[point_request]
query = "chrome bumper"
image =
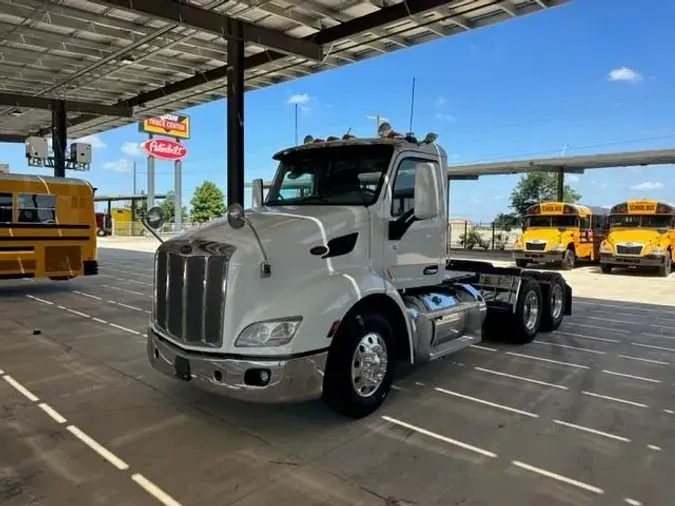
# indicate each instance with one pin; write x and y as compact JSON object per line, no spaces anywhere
{"x":640,"y":261}
{"x":290,"y":379}
{"x":538,"y":256}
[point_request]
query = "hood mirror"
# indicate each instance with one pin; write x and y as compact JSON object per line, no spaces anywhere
{"x":236,"y":216}
{"x":154,"y":219}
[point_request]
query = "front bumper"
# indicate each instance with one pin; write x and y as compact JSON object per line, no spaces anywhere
{"x":645,"y":261}
{"x":538,"y":256}
{"x":291,"y":379}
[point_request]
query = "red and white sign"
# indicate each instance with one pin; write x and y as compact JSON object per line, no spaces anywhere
{"x":166,"y":149}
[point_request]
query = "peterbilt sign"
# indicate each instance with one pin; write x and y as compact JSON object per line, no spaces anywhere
{"x":165,"y":149}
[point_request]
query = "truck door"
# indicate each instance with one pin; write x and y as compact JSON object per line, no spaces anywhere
{"x":414,"y":251}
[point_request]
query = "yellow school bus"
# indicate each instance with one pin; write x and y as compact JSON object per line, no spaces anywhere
{"x":642,"y":234}
{"x":47,"y":227}
{"x":559,"y":233}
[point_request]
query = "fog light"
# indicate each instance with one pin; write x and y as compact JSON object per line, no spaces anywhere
{"x":156,"y":353}
{"x":257,"y":377}
{"x":218,"y":376}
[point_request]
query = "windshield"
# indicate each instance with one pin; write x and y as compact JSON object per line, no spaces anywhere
{"x":568,"y":220}
{"x":641,"y":221}
{"x":336,"y":175}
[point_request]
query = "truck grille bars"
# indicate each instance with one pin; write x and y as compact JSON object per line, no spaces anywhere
{"x":190,"y":291}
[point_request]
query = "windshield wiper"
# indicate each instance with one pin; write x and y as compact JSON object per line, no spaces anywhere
{"x":311,"y":199}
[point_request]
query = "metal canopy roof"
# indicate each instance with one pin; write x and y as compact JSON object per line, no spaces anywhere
{"x":160,"y":56}
{"x":570,"y":164}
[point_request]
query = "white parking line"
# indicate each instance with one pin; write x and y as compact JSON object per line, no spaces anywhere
{"x":662,"y":348}
{"x":661,"y":336}
{"x":631,"y":376}
{"x":40,"y":300}
{"x":655,"y":448}
{"x":84,"y":294}
{"x":126,"y":279}
{"x":20,"y":388}
{"x":485,"y":348}
{"x":487,"y":403}
{"x":52,"y":412}
{"x":593,"y":338}
{"x":154,"y":490}
{"x":658,"y":362}
{"x":625,"y":322}
{"x":521,"y":355}
{"x":445,"y":439}
{"x":615,"y":399}
{"x":123,"y":290}
{"x":558,"y":477}
{"x":592,"y":431}
{"x":567,"y":346}
{"x":125,"y":329}
{"x":632,"y":502}
{"x":78,"y":313}
{"x":669,"y":411}
{"x":620,"y":331}
{"x":522,"y":378}
{"x":98,"y":448}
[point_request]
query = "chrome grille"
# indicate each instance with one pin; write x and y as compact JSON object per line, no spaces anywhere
{"x":190,"y":290}
{"x":535,"y":246}
{"x":622,"y":249}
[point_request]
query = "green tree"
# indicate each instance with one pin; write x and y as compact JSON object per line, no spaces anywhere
{"x":207,"y":202}
{"x":140,"y":208}
{"x":506,"y":221}
{"x":168,"y":206}
{"x":536,"y":187}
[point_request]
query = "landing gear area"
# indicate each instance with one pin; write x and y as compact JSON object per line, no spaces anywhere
{"x":500,"y":419}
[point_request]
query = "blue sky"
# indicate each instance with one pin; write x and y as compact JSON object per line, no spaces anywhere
{"x":595,"y":75}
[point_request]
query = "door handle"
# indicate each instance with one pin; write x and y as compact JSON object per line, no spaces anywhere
{"x":430,"y":270}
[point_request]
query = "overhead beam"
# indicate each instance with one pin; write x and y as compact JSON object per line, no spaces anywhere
{"x":47,"y":104}
{"x":219,"y":24}
{"x":16,"y":138}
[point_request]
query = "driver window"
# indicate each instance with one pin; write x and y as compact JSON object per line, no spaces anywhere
{"x":37,"y":208}
{"x":403,"y":190}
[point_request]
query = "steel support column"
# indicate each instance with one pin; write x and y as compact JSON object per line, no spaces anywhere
{"x":235,"y":116}
{"x":59,"y":137}
{"x":560,"y":193}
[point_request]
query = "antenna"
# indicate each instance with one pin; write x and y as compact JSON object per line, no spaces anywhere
{"x":412,"y":106}
{"x":296,"y":124}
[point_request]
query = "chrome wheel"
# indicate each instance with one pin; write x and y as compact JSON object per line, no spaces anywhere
{"x":557,"y":301}
{"x":531,"y":310}
{"x":369,"y":364}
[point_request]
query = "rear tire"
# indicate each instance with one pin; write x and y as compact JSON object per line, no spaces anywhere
{"x":360,"y":367}
{"x":568,"y":260}
{"x":100,"y":232}
{"x":527,"y":318}
{"x":553,"y":305}
{"x":606,"y":268}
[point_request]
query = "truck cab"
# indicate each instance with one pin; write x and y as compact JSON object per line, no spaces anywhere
{"x":320,"y":292}
{"x":641,"y":234}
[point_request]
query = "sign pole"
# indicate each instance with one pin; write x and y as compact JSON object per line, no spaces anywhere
{"x":151,"y":178}
{"x":178,"y":194}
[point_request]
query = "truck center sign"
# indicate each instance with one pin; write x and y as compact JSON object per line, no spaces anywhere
{"x":170,"y":125}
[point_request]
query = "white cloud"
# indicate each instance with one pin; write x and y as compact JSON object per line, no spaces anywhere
{"x":624,"y":74}
{"x":121,"y":165}
{"x":94,"y":140}
{"x":299,"y":98}
{"x":131,"y":148}
{"x":572,"y":178}
{"x":647,"y":186}
{"x":446,"y":117}
{"x":440,"y":101}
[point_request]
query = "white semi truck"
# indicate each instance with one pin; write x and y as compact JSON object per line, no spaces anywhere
{"x":319,"y":293}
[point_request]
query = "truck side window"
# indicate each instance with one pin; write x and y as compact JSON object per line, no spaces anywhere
{"x":6,"y":207}
{"x":37,"y":208}
{"x":403,"y":189}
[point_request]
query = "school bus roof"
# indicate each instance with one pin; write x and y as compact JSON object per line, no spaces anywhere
{"x":36,"y":183}
{"x":580,"y":208}
{"x":657,"y":206}
{"x":34,"y":178}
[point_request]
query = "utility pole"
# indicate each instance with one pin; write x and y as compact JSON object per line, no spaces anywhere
{"x":134,"y":186}
{"x":378,"y":120}
{"x":296,"y":124}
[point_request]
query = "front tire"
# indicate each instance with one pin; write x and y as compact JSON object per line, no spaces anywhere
{"x":526,"y":320}
{"x":360,"y":367}
{"x":667,"y":267}
{"x":568,"y":260}
{"x":606,"y":268}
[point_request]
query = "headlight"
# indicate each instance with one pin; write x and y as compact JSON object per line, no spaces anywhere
{"x":268,"y":333}
{"x":657,"y":250}
{"x":605,"y":248}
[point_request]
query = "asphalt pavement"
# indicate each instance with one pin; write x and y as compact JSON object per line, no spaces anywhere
{"x":582,"y":416}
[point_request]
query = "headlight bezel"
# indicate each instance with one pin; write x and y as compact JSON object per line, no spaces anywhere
{"x":251,"y":336}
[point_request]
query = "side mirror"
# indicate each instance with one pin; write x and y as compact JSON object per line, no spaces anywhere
{"x":426,"y":202}
{"x":257,"y":193}
{"x":155,"y":217}
{"x":235,"y":215}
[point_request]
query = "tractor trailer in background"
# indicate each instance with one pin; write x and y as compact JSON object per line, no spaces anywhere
{"x":321,"y":293}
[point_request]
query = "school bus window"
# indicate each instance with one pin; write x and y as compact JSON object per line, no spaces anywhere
{"x":551,"y":221}
{"x":584,"y":223}
{"x":653,"y":221}
{"x":36,"y":208}
{"x":5,"y":207}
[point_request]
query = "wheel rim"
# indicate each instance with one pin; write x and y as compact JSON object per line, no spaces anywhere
{"x":369,"y":364}
{"x":531,"y":310}
{"x":557,"y":300}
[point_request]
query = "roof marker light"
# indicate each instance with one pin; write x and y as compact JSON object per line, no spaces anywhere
{"x":308,"y":139}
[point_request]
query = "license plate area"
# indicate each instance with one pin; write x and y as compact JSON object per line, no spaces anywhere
{"x":181,"y":366}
